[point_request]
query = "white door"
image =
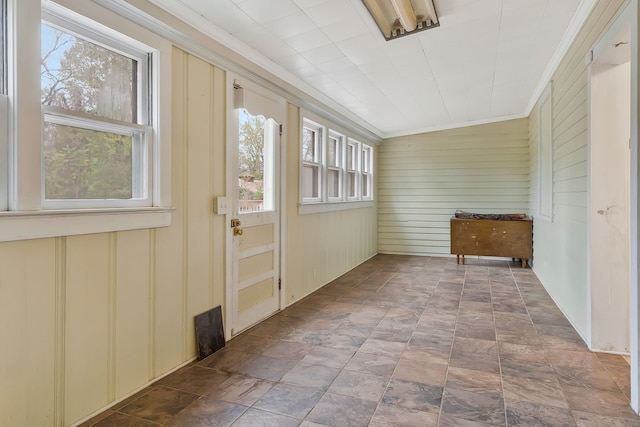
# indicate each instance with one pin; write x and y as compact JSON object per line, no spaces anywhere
{"x":254,"y":217}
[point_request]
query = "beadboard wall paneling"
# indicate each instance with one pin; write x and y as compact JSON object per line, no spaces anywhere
{"x":320,"y":247}
{"x":423,"y":179}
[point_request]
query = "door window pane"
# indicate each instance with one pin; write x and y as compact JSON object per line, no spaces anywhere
{"x":255,"y":162}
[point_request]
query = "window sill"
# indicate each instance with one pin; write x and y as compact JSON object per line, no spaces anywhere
{"x":312,"y":208}
{"x":24,"y":225}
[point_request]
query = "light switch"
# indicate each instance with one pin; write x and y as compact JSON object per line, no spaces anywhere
{"x":220,"y":205}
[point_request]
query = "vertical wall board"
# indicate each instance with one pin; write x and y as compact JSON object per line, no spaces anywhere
{"x":87,"y":325}
{"x":27,"y":312}
{"x":293,"y":222}
{"x":132,"y":327}
{"x":560,"y":247}
{"x":218,"y":186}
{"x":320,"y":246}
{"x":199,"y":197}
{"x":423,"y":179}
{"x":168,"y":328}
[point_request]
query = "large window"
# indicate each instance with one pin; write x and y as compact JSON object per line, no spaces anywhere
{"x":335,"y":168}
{"x":96,"y":131}
{"x":84,"y":144}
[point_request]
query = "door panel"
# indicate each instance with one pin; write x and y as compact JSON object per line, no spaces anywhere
{"x":255,"y":219}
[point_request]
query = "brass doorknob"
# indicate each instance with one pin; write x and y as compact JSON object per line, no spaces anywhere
{"x":237,"y":231}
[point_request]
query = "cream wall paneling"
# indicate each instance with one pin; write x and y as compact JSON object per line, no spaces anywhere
{"x":423,"y":179}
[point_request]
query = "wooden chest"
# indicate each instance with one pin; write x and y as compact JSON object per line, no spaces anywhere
{"x":486,"y":237}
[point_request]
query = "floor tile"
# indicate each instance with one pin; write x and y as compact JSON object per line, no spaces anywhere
{"x":397,"y":416}
{"x":412,"y":395}
{"x":534,"y":414}
{"x":208,"y":412}
{"x":258,"y":418}
{"x":316,"y":376}
{"x":361,"y":385}
{"x":267,"y":368}
{"x":372,"y":364}
{"x":534,"y":390}
{"x":194,"y":379}
{"x":117,"y":419}
{"x":160,"y":405}
{"x":241,"y":389}
{"x":486,"y":406}
{"x":338,"y":411}
{"x":419,"y":371}
{"x":291,"y":400}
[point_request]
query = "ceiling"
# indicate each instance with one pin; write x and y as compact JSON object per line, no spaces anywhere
{"x":487,"y":61}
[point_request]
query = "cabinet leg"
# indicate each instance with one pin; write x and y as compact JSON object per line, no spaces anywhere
{"x":462,"y":259}
{"x":524,"y":262}
{"x":457,"y":259}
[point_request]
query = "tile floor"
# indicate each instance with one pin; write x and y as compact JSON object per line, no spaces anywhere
{"x":400,"y":341}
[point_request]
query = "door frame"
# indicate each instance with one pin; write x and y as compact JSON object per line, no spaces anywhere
{"x":231,"y":138}
{"x":628,"y":15}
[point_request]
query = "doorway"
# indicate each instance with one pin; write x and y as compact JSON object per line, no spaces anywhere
{"x":613,"y":193}
{"x":253,"y":217}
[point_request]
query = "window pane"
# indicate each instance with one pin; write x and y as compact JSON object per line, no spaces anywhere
{"x":310,"y":181}
{"x":78,"y":75}
{"x":333,"y":183}
{"x":351,"y":184}
{"x":365,"y":160}
{"x":334,"y":152}
{"x":309,"y":147}
{"x":87,"y":164}
{"x":351,"y":157}
{"x":365,"y":185}
{"x":255,"y":162}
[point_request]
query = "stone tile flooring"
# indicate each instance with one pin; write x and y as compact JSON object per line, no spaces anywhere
{"x":400,"y":341}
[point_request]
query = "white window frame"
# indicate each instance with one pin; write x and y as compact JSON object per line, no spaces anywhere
{"x":366,"y":167}
{"x":319,"y":144}
{"x":141,"y":132}
{"x":353,"y":169}
{"x":545,"y":154}
{"x":340,"y":152}
{"x":25,"y":216}
{"x":324,"y":203}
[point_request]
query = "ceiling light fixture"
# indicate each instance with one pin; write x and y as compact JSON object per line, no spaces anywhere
{"x":397,"y":18}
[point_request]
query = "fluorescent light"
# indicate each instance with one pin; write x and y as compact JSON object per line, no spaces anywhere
{"x":397,"y":18}
{"x":405,"y":14}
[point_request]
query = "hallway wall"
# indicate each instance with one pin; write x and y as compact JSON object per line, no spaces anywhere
{"x":560,"y":246}
{"x":89,"y":319}
{"x":424,"y":178}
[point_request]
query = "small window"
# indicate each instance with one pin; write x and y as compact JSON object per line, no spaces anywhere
{"x":311,"y":161}
{"x":335,"y":153}
{"x":353,"y":150}
{"x":366,"y":172}
{"x":97,"y":137}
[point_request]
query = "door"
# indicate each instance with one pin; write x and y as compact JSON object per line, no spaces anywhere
{"x":254,"y":220}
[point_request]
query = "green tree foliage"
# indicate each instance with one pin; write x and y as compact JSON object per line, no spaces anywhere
{"x":80,"y":76}
{"x":252,"y":147}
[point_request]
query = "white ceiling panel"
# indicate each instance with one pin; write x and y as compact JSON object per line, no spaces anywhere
{"x":483,"y":63}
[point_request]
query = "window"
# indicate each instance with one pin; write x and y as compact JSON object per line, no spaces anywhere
{"x":311,"y":160}
{"x":366,"y":172}
{"x":96,"y":131}
{"x":545,"y":155}
{"x":336,"y":171}
{"x":353,"y":150}
{"x":99,"y":158}
{"x":335,"y":167}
